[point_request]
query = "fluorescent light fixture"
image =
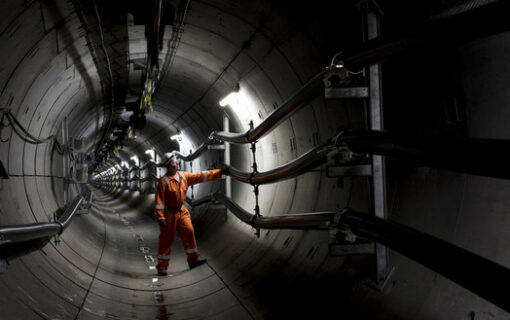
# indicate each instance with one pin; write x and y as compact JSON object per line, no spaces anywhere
{"x":243,"y":106}
{"x":124,"y":164}
{"x":135,"y":159}
{"x":177,"y":137}
{"x":230,"y":99}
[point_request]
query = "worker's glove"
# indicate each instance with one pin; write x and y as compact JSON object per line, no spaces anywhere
{"x":225,"y":170}
{"x":162,"y":223}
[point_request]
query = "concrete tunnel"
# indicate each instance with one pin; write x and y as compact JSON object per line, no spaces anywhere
{"x":81,"y":65}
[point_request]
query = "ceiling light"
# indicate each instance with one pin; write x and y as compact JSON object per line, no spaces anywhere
{"x":177,"y":137}
{"x":230,"y":99}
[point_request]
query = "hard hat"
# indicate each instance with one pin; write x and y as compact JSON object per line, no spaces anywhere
{"x":165,"y":159}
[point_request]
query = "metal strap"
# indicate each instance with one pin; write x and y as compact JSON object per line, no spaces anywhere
{"x":204,"y":173}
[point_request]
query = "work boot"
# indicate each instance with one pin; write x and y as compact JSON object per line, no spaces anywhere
{"x":200,"y":261}
{"x":162,"y":273}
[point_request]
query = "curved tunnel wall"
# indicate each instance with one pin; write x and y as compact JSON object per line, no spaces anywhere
{"x":95,"y":272}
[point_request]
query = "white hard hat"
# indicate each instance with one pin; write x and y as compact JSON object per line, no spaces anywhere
{"x":165,"y":159}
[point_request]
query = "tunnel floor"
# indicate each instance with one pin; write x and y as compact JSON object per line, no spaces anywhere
{"x":126,"y":286}
{"x":122,"y":278}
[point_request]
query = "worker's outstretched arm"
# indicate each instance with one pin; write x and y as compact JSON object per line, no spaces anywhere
{"x":202,"y":176}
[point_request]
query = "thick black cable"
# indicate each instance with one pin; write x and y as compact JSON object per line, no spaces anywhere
{"x":173,"y":45}
{"x":25,"y":135}
{"x":110,"y":74}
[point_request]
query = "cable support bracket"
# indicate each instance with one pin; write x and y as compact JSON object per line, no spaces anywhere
{"x":255,"y":186}
{"x":54,"y":219}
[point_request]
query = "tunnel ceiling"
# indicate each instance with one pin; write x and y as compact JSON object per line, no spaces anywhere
{"x":224,"y":43}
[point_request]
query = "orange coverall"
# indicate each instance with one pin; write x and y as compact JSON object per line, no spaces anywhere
{"x":170,"y":196}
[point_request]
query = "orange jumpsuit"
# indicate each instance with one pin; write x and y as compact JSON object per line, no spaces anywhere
{"x":170,"y":196}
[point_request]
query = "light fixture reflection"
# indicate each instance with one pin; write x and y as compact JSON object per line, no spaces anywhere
{"x":243,"y":106}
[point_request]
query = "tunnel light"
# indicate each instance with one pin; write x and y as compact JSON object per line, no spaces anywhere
{"x":243,"y":106}
{"x":231,"y":99}
{"x":124,"y":164}
{"x":151,"y":153}
{"x":135,"y":159}
{"x":176,"y":137}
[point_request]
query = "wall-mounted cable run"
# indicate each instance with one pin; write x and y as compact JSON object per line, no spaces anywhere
{"x":11,"y":235}
{"x":110,"y":75}
{"x":23,"y":133}
{"x":312,"y":89}
{"x":453,"y":262}
{"x":174,"y":42}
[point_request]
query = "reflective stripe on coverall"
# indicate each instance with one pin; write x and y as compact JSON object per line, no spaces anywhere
{"x":170,"y":196}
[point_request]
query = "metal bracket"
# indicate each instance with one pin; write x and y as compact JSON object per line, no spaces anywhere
{"x":82,"y":211}
{"x":216,"y":147}
{"x":57,"y":240}
{"x":383,"y":279}
{"x":346,"y":92}
{"x":53,"y":218}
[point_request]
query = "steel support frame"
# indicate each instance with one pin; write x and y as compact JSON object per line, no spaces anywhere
{"x":228,"y":179}
{"x":346,"y":93}
{"x":371,"y":18}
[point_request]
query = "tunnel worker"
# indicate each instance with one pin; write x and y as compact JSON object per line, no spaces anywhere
{"x":172,"y":215}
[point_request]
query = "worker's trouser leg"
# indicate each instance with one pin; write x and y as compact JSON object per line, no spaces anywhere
{"x":187,"y":234}
{"x":166,"y":239}
{"x":180,"y":221}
